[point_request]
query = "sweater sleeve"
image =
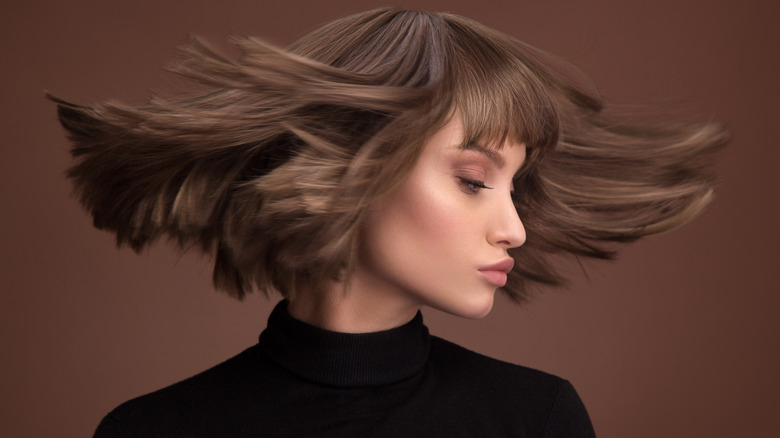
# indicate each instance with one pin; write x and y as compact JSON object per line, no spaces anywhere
{"x":569,"y":418}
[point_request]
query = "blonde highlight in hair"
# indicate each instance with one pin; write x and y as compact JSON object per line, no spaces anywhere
{"x":274,"y":166}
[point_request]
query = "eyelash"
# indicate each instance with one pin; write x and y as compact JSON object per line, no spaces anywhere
{"x":473,"y":186}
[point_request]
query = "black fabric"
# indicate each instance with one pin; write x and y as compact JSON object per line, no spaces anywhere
{"x":303,"y":381}
{"x":345,"y":359}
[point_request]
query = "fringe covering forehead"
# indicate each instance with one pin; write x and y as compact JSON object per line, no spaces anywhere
{"x":273,"y":167}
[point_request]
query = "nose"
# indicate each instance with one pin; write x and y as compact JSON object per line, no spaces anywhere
{"x":506,"y":228}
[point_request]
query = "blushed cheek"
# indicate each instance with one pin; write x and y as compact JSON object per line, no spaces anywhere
{"x":438,"y":221}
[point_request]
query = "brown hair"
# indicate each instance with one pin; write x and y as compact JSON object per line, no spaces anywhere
{"x":274,"y":166}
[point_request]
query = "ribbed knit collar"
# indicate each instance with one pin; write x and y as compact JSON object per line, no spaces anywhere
{"x":345,"y":359}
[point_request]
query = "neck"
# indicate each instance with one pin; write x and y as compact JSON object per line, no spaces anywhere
{"x":356,"y":308}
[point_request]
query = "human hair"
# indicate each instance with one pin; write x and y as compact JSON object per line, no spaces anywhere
{"x":273,"y":166}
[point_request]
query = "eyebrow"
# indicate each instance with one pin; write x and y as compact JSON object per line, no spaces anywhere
{"x":491,"y":155}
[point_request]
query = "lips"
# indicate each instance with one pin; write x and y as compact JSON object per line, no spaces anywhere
{"x":496,"y":274}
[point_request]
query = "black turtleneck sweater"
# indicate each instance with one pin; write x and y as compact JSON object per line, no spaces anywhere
{"x":303,"y":381}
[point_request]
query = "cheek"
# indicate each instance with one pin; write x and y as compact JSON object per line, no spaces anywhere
{"x":436,"y":220}
{"x":421,"y":224}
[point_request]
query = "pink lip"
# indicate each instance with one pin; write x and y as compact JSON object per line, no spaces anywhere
{"x":497,"y":272}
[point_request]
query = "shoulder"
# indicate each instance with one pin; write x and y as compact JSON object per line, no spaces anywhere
{"x":194,"y":403}
{"x":540,"y":403}
{"x":458,"y":362}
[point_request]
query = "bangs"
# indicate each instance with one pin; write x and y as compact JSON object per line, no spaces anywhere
{"x":499,"y":92}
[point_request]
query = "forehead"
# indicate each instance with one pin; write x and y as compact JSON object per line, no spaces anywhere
{"x":453,"y":139}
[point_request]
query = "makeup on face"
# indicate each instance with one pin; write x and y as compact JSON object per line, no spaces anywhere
{"x":441,"y":237}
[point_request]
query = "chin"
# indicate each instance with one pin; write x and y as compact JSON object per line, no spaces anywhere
{"x":477,"y":307}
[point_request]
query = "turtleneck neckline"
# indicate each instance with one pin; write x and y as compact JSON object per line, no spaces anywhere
{"x":345,"y":359}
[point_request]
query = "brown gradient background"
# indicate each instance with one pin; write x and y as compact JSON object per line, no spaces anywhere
{"x":678,"y":338}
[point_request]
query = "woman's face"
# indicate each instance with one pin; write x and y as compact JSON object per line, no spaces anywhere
{"x":441,"y":238}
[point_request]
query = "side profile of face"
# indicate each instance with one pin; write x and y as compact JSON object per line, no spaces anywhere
{"x":441,"y":237}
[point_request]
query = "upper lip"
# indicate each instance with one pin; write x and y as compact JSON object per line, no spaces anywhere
{"x":504,"y":266}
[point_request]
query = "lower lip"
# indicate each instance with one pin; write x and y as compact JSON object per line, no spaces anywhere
{"x":496,"y":278}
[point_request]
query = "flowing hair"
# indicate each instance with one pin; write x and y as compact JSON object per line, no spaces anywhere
{"x":273,"y":167}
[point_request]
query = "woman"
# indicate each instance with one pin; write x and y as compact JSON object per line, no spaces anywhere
{"x":388,"y":161}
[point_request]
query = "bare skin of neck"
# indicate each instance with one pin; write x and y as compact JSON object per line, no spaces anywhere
{"x":359,"y":308}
